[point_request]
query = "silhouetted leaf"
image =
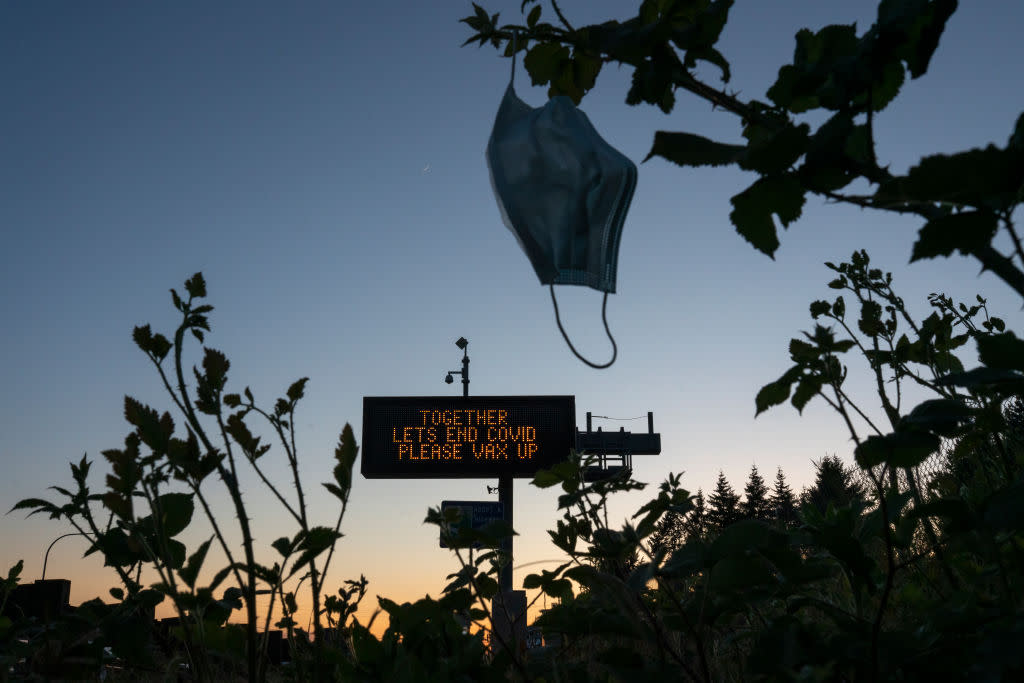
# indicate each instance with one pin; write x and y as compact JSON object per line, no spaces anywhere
{"x":806,"y":389}
{"x":1010,"y":380}
{"x":687,"y":149}
{"x":1004,"y":351}
{"x":987,"y":179}
{"x":190,"y":571}
{"x":196,"y":286}
{"x":156,"y":345}
{"x":155,"y":430}
{"x":176,"y":513}
{"x":901,"y":449}
{"x":297,"y":389}
{"x":533,"y":16}
{"x":37,"y":505}
{"x":965,"y":232}
{"x":312,"y":544}
{"x":776,"y":392}
{"x":345,"y":455}
{"x":283,"y":545}
{"x":544,"y":62}
{"x":772,"y":151}
{"x":753,"y":210}
{"x":919,"y":52}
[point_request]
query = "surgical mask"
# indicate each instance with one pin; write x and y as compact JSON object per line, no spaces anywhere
{"x":563,"y":192}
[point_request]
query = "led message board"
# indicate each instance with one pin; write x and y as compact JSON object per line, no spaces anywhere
{"x":453,"y":436}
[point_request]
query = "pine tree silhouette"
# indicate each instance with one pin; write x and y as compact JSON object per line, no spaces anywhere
{"x":755,"y":504}
{"x":835,"y":483}
{"x":782,"y":501}
{"x":723,"y":505}
{"x":696,"y":524}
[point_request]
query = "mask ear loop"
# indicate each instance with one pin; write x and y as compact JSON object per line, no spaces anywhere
{"x":515,"y":49}
{"x":604,"y":319}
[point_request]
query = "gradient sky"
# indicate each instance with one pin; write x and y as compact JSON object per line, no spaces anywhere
{"x":280,"y":149}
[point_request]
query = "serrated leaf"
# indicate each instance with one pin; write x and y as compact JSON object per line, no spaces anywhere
{"x":297,"y":390}
{"x":282,"y":545}
{"x":776,"y":392}
{"x":901,"y":449}
{"x":802,"y":352}
{"x":215,"y":368}
{"x":988,"y":178}
{"x":1010,"y":380}
{"x":687,"y":149}
{"x":1004,"y":351}
{"x":545,"y":479}
{"x":807,"y":389}
{"x":870,"y":322}
{"x":155,"y":430}
{"x":585,"y":69}
{"x":176,"y":512}
{"x":754,"y":208}
{"x":773,"y":151}
{"x":219,"y":577}
{"x":820,"y":308}
{"x":965,"y":232}
{"x":190,"y":571}
{"x":345,"y":455}
{"x":37,"y":505}
{"x":196,"y":286}
{"x":942,"y":416}
{"x":544,"y":62}
{"x":117,"y":548}
{"x":920,"y":53}
{"x":312,"y":544}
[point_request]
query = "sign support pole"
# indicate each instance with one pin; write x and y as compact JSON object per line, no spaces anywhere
{"x":505,"y":498}
{"x":504,"y":480}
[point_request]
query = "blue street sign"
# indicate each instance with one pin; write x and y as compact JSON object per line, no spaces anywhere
{"x":476,"y":514}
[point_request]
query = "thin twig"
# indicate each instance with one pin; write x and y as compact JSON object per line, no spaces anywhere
{"x":561,"y":17}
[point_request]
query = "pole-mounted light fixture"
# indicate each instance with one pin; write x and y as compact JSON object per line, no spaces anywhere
{"x":462,"y":343}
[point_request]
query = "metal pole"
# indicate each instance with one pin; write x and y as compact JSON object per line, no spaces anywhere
{"x":505,"y":498}
{"x":504,"y":495}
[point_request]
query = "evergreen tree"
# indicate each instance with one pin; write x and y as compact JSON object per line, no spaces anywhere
{"x":670,"y":533}
{"x":782,"y":501}
{"x":723,"y":505}
{"x":695,"y":527}
{"x":755,"y":504}
{"x":834,"y":483}
{"x":981,"y":461}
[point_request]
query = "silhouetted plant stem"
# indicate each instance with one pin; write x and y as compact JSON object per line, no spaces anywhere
{"x":231,"y":482}
{"x":196,"y":486}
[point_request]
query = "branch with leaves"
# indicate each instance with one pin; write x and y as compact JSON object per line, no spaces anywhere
{"x":966,"y":199}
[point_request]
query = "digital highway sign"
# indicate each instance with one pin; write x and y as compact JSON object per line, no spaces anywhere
{"x":465,"y":437}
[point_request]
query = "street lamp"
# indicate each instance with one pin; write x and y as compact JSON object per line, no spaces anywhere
{"x":46,"y":557}
{"x":462,"y":343}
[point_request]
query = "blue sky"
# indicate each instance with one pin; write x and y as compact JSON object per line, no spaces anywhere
{"x":280,"y":149}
